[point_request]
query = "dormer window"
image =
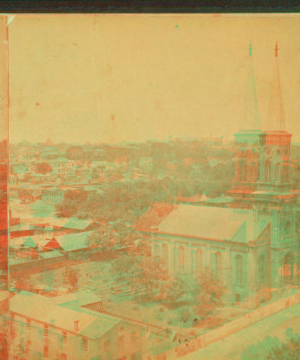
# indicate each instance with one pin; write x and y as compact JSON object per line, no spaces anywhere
{"x":287,"y":227}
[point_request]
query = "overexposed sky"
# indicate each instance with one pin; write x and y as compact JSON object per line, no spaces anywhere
{"x":114,"y":78}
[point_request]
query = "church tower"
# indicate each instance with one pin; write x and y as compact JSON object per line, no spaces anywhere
{"x":262,"y":177}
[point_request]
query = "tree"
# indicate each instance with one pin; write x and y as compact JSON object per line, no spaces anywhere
{"x":210,"y":296}
{"x":75,"y":153}
{"x":179,"y":288}
{"x":72,"y":278}
{"x":43,"y":168}
{"x":271,"y":348}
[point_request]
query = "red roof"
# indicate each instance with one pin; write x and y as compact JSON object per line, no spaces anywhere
{"x":154,"y":216}
{"x":52,"y":244}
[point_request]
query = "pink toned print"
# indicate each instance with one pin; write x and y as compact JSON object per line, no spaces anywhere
{"x":149,"y":203}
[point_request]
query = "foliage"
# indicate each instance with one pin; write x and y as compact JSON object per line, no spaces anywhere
{"x":75,"y":153}
{"x":186,"y":313}
{"x":271,"y":348}
{"x":72,"y":278}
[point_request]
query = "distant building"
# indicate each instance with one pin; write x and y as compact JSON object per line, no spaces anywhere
{"x":53,"y":194}
{"x":18,"y":168}
{"x":251,"y":244}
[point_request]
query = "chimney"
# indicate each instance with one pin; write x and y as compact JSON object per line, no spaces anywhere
{"x":76,"y":325}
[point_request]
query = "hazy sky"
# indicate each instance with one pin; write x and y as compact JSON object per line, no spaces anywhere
{"x":112,"y":78}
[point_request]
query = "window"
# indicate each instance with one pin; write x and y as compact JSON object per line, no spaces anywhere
{"x":200,"y":262}
{"x":175,"y":259}
{"x":238,"y":270}
{"x":46,"y":330}
{"x":181,"y":259}
{"x":267,"y":171}
{"x":46,"y":351}
{"x":243,"y":170}
{"x":277,"y":171}
{"x":194,"y":261}
{"x":121,"y":342}
{"x":84,"y":344}
{"x":162,"y":356}
{"x":288,"y":268}
{"x":165,"y":254}
{"x":106,"y":346}
{"x":216,"y":266}
{"x":262,"y":269}
{"x":254,"y":171}
{"x":133,"y":337}
{"x":287,"y":227}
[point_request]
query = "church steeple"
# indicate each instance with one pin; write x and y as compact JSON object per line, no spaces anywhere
{"x":275,"y":119}
{"x":251,"y":120}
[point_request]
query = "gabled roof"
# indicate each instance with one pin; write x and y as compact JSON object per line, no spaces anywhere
{"x":29,"y":243}
{"x":71,"y":242}
{"x":67,"y":223}
{"x":43,"y":309}
{"x":36,"y":241}
{"x":86,"y":297}
{"x":52,"y":244}
{"x":205,"y":222}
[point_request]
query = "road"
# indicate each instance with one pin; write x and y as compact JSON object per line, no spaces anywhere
{"x":233,"y":346}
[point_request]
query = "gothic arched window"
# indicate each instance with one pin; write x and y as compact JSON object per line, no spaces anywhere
{"x":267,"y":170}
{"x":277,"y":171}
{"x":200,"y":262}
{"x":165,"y":254}
{"x":262,"y":270}
{"x":238,"y":269}
{"x":181,"y":259}
{"x":216,"y":266}
{"x":254,"y":171}
{"x":243,"y":170}
{"x":175,"y":259}
{"x":194,"y":261}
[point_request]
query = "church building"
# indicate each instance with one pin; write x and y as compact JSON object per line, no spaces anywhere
{"x":252,"y":244}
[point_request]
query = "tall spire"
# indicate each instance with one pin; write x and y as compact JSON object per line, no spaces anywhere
{"x":275,"y":119}
{"x":252,"y":118}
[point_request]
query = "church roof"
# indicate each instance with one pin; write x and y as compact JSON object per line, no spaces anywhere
{"x":205,"y":222}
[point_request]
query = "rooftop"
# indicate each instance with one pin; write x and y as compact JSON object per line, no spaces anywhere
{"x":204,"y":222}
{"x":45,"y":310}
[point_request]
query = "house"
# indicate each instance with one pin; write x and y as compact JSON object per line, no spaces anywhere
{"x":49,"y":151}
{"x":13,"y":179}
{"x":121,"y":161}
{"x":146,"y":162}
{"x":18,"y":168}
{"x":44,"y":328}
{"x":92,"y":191}
{"x":53,"y":194}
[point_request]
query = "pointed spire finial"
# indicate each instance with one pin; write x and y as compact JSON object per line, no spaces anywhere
{"x":250,"y":49}
{"x":276,"y":50}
